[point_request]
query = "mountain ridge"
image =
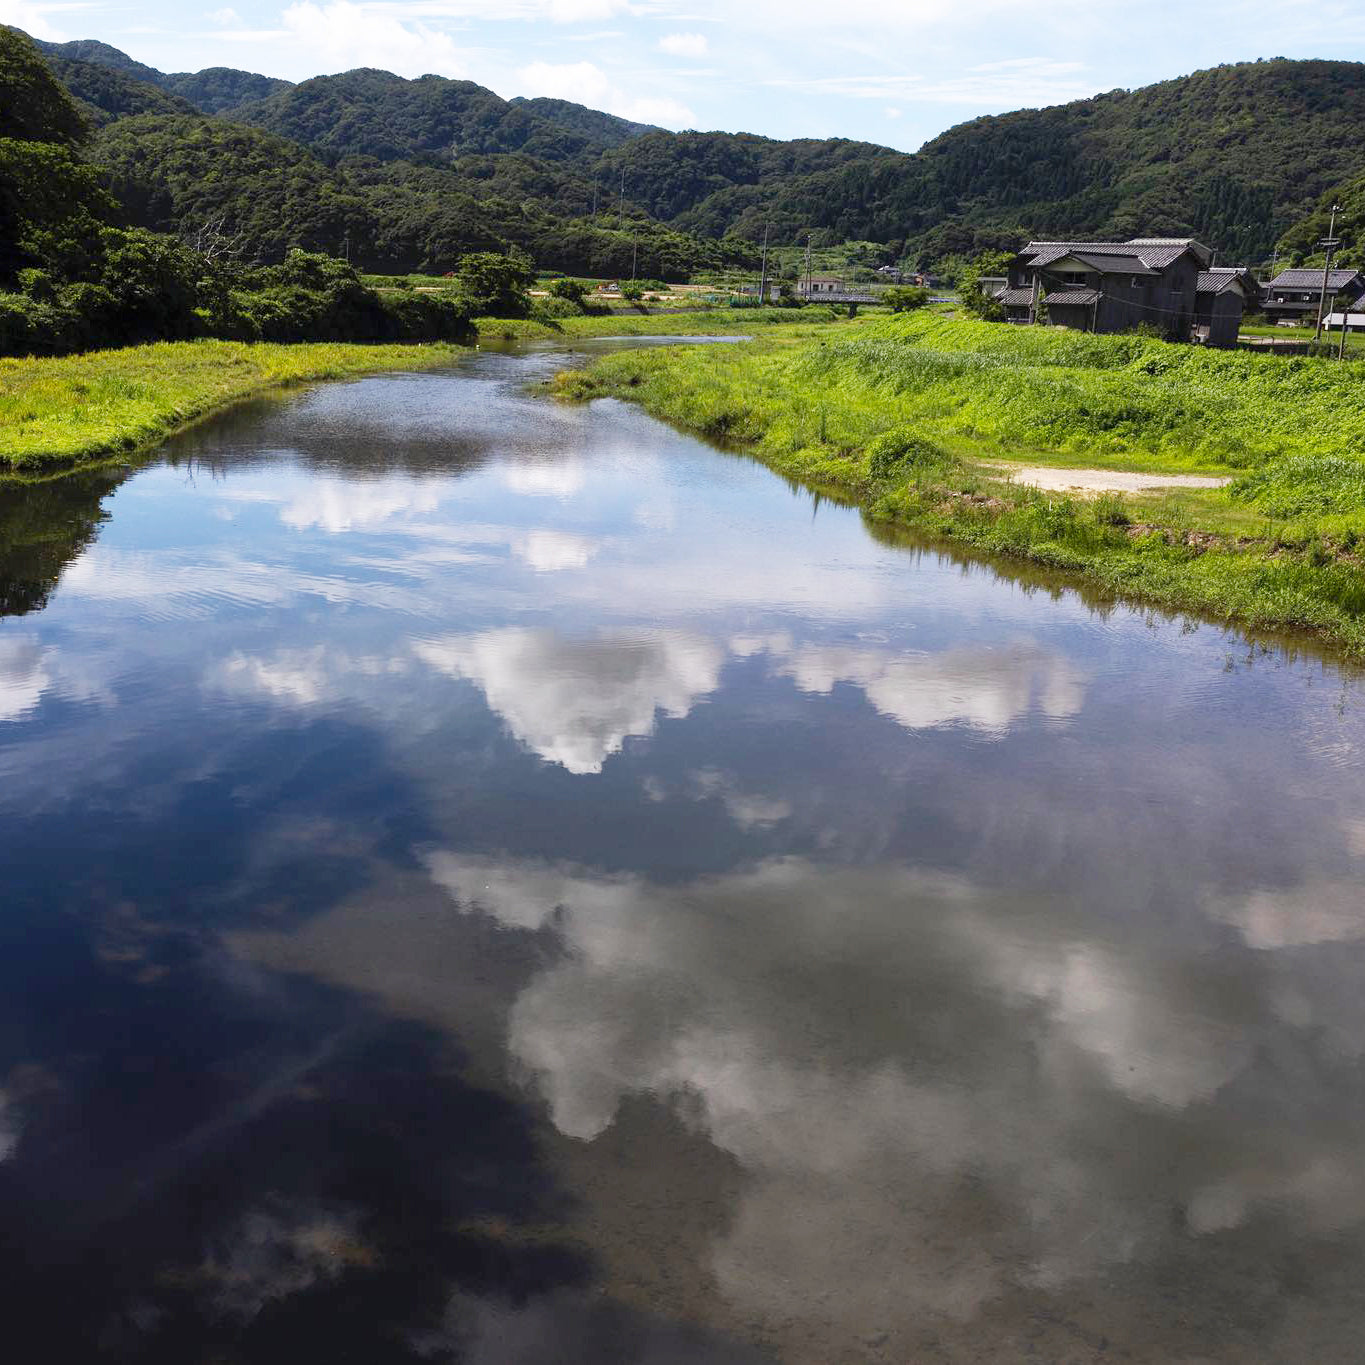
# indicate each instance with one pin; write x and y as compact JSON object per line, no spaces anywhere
{"x":1237,"y":154}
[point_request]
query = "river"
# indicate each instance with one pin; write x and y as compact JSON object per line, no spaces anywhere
{"x":495,"y":881}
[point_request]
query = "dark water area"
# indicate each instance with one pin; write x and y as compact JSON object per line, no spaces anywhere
{"x":491,"y":881}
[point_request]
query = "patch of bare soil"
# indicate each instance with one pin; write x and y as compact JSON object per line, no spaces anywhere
{"x":1101,"y":480}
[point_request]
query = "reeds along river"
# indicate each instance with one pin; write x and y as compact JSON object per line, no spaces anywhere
{"x":493,"y":881}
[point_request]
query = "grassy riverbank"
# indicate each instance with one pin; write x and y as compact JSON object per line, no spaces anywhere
{"x":61,"y":410}
{"x":906,"y":416}
{"x":693,"y":322}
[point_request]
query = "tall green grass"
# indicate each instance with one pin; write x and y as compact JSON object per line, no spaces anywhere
{"x":693,"y":322}
{"x":60,"y":410}
{"x":894,"y":413}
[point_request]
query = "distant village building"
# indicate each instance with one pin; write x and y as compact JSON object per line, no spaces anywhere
{"x":1293,"y":295}
{"x":1117,"y":286}
{"x":1222,"y":295}
{"x":1352,"y":317}
{"x":824,"y":284}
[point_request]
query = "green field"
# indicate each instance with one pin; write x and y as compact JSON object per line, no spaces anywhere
{"x":899,"y":413}
{"x":60,"y":410}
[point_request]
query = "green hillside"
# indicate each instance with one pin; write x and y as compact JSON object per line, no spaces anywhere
{"x":375,"y":113}
{"x":105,"y":94}
{"x":211,"y":91}
{"x":1236,"y":155}
{"x":75,"y":276}
{"x":1299,"y":246}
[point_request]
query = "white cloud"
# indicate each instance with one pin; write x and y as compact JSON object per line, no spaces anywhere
{"x":987,"y":690}
{"x":574,"y":701}
{"x":339,"y":505}
{"x":684,"y":44}
{"x":561,"y":479}
{"x":29,"y":670}
{"x":229,"y":18}
{"x":304,"y":677}
{"x":33,"y":19}
{"x":280,"y":1249}
{"x":341,"y":35}
{"x":1319,"y":912}
{"x":586,"y":83}
{"x":547,"y":551}
{"x":24,"y":675}
{"x":10,"y":1128}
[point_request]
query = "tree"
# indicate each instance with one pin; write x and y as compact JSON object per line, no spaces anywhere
{"x":573,"y":291}
{"x":969,"y":283}
{"x":494,"y":285}
{"x":33,"y":106}
{"x":902,"y":298}
{"x":632,"y":291}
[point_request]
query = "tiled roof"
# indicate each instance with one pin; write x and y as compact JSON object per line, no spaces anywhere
{"x":1073,"y":296}
{"x":1216,"y":280}
{"x":1015,"y":298}
{"x":1312,"y":279}
{"x":1112,"y":263}
{"x":1156,"y":252}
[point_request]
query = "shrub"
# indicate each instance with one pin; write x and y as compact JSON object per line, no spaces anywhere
{"x":553,"y":309}
{"x":571,"y":291}
{"x":898,"y":452}
{"x":902,"y":298}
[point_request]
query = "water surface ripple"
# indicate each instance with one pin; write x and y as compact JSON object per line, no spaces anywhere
{"x":492,"y":881}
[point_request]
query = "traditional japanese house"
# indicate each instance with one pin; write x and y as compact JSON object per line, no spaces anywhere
{"x":1293,"y":295}
{"x":1108,"y":286}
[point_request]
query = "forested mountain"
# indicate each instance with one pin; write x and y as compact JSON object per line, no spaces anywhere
{"x":1233,"y":155}
{"x":74,"y":275}
{"x":607,"y":130}
{"x":105,"y":94}
{"x":168,"y":173}
{"x":375,"y":113}
{"x":211,"y":91}
{"x":1300,"y":244}
{"x":1236,"y":155}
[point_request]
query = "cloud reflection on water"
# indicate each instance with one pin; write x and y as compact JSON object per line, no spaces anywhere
{"x":575,"y":701}
{"x":902,"y":1066}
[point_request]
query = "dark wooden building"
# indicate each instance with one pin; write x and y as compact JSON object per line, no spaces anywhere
{"x":1293,"y":295}
{"x":1222,"y":295}
{"x":1113,"y":286}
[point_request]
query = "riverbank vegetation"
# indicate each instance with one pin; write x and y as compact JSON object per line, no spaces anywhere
{"x":74,"y":275}
{"x":913,"y":417}
{"x":691,"y":322}
{"x":57,"y":411}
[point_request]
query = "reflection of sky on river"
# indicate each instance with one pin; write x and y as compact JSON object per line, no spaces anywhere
{"x":566,"y":858}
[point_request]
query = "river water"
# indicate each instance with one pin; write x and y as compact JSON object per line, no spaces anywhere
{"x":493,"y":881}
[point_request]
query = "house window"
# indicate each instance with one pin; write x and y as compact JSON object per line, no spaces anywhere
{"x":1135,"y":281}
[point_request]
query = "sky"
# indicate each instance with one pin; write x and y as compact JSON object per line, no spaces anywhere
{"x":878,"y":70}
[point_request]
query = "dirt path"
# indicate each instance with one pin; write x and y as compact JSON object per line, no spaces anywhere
{"x":1100,"y":480}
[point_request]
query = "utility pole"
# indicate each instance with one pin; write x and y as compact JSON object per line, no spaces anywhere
{"x":634,"y":256}
{"x":594,"y":200}
{"x":621,"y":205}
{"x":806,"y":290}
{"x":1033,"y":302}
{"x":763,"y":270}
{"x":1330,"y":242}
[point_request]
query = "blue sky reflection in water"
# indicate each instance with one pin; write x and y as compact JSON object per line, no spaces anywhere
{"x":486,"y":878}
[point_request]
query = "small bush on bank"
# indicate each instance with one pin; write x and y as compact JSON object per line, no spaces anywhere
{"x":898,"y":452}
